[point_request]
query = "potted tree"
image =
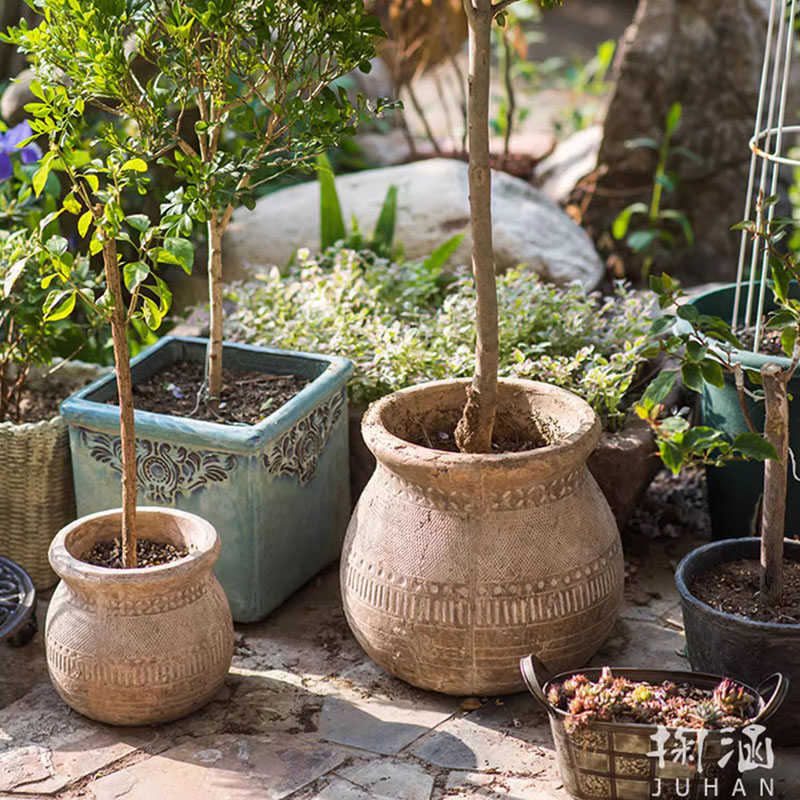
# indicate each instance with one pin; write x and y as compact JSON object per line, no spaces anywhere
{"x":458,"y":563}
{"x":238,"y":93}
{"x":740,"y":596}
{"x":138,"y":631}
{"x":36,"y":492}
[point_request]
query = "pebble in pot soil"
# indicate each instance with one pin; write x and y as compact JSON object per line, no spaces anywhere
{"x":770,"y":344}
{"x":734,"y":589}
{"x":246,"y":398}
{"x":148,"y":554}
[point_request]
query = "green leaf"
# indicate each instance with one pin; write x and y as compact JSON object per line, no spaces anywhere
{"x":441,"y":255}
{"x":781,"y":319}
{"x":56,"y":245}
{"x":134,"y":273}
{"x":642,"y":141}
{"x":755,"y":446}
{"x":623,"y":219}
{"x":712,"y":372}
{"x":692,"y":376}
{"x":71,"y":204}
{"x":331,"y":221}
{"x":695,"y":351}
{"x":152,"y":313}
{"x":59,"y":305}
{"x":134,"y":165}
{"x":84,"y":222}
{"x":93,"y":181}
{"x":140,"y":222}
{"x":671,"y":455}
{"x":183,"y":250}
{"x":662,"y":324}
{"x":660,"y":387}
{"x":673,"y":119}
{"x":383,"y":235}
{"x":14,"y":271}
{"x":40,"y":176}
{"x":788,"y":340}
{"x":640,"y":241}
{"x":688,"y":312}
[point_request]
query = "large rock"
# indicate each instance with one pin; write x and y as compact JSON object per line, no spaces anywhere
{"x":706,"y":55}
{"x":432,"y":206}
{"x":16,"y":96}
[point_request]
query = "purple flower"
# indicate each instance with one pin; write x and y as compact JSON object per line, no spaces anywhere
{"x":10,"y":144}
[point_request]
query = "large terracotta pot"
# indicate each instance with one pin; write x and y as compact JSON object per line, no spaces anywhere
{"x":455,"y":566}
{"x":138,"y":646}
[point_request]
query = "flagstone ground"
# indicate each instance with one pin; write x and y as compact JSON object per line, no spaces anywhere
{"x":305,"y":715}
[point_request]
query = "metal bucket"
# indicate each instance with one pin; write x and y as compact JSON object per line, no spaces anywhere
{"x":617,"y":761}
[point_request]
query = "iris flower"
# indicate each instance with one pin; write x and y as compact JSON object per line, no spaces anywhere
{"x":10,"y":145}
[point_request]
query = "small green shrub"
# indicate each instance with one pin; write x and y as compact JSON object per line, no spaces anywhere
{"x":407,"y":323}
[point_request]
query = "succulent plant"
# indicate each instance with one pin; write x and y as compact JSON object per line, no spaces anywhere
{"x":618,"y":699}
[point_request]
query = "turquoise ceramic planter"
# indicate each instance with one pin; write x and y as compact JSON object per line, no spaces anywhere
{"x":277,"y":492}
{"x":734,"y":490}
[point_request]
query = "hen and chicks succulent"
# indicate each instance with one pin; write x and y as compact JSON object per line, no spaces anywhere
{"x":617,"y":699}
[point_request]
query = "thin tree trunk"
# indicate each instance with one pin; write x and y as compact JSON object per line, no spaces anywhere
{"x":214,"y":360}
{"x":511,"y":98}
{"x":474,"y":430}
{"x":425,"y":124}
{"x":119,"y":336}
{"x":773,"y":513}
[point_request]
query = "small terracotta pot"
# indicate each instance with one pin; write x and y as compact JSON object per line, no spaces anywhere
{"x":455,"y":566}
{"x":138,"y":646}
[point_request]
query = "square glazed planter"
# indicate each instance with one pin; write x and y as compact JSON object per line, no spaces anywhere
{"x":276,"y":492}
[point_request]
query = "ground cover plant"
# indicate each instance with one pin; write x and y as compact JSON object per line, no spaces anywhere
{"x":409,"y":322}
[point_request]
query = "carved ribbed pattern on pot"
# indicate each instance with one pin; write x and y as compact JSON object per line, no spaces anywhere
{"x":538,"y":494}
{"x":116,"y":606}
{"x":425,"y":602}
{"x":300,"y":447}
{"x":163,"y":470}
{"x":496,"y":604}
{"x":175,"y":668}
{"x":543,"y":600}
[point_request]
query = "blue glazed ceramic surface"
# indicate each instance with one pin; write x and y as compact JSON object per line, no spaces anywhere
{"x":277,"y":492}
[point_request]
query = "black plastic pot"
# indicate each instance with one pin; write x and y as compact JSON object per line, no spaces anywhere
{"x":741,"y":648}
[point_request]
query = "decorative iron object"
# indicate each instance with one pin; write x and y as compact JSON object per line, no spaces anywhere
{"x":17,"y":604}
{"x":615,"y":761}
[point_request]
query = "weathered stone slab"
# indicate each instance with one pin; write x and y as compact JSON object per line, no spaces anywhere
{"x":370,"y":710}
{"x":223,"y":766}
{"x":464,"y":785}
{"x":393,"y":780}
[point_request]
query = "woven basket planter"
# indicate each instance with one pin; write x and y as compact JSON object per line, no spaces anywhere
{"x":36,"y":493}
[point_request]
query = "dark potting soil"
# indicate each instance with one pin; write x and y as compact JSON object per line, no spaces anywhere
{"x":770,"y":344}
{"x":36,"y":406}
{"x":734,"y":588}
{"x":148,"y":554}
{"x":246,"y":398}
{"x":443,"y":438}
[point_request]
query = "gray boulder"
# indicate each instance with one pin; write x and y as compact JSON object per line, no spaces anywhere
{"x":433,"y":205}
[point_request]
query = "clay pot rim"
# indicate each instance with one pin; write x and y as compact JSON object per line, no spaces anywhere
{"x":199,"y":534}
{"x":394,"y":451}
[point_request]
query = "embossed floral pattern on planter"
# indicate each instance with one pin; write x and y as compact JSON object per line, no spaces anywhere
{"x":299,"y":448}
{"x":162,"y":470}
{"x":276,"y":492}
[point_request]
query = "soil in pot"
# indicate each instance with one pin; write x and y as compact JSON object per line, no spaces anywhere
{"x":733,"y":588}
{"x":770,"y":344}
{"x":247,"y":397}
{"x":148,"y":554}
{"x":511,"y":435}
{"x":37,"y":405}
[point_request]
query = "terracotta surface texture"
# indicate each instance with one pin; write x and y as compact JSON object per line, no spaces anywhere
{"x":455,"y":566}
{"x":138,"y":646}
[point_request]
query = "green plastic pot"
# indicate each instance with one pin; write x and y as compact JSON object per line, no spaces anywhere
{"x":734,"y":490}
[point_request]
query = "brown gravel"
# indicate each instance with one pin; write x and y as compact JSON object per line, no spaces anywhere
{"x":247,"y":397}
{"x":148,"y":554}
{"x":734,"y":588}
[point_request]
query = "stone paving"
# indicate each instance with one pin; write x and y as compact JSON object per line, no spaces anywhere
{"x":305,"y":715}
